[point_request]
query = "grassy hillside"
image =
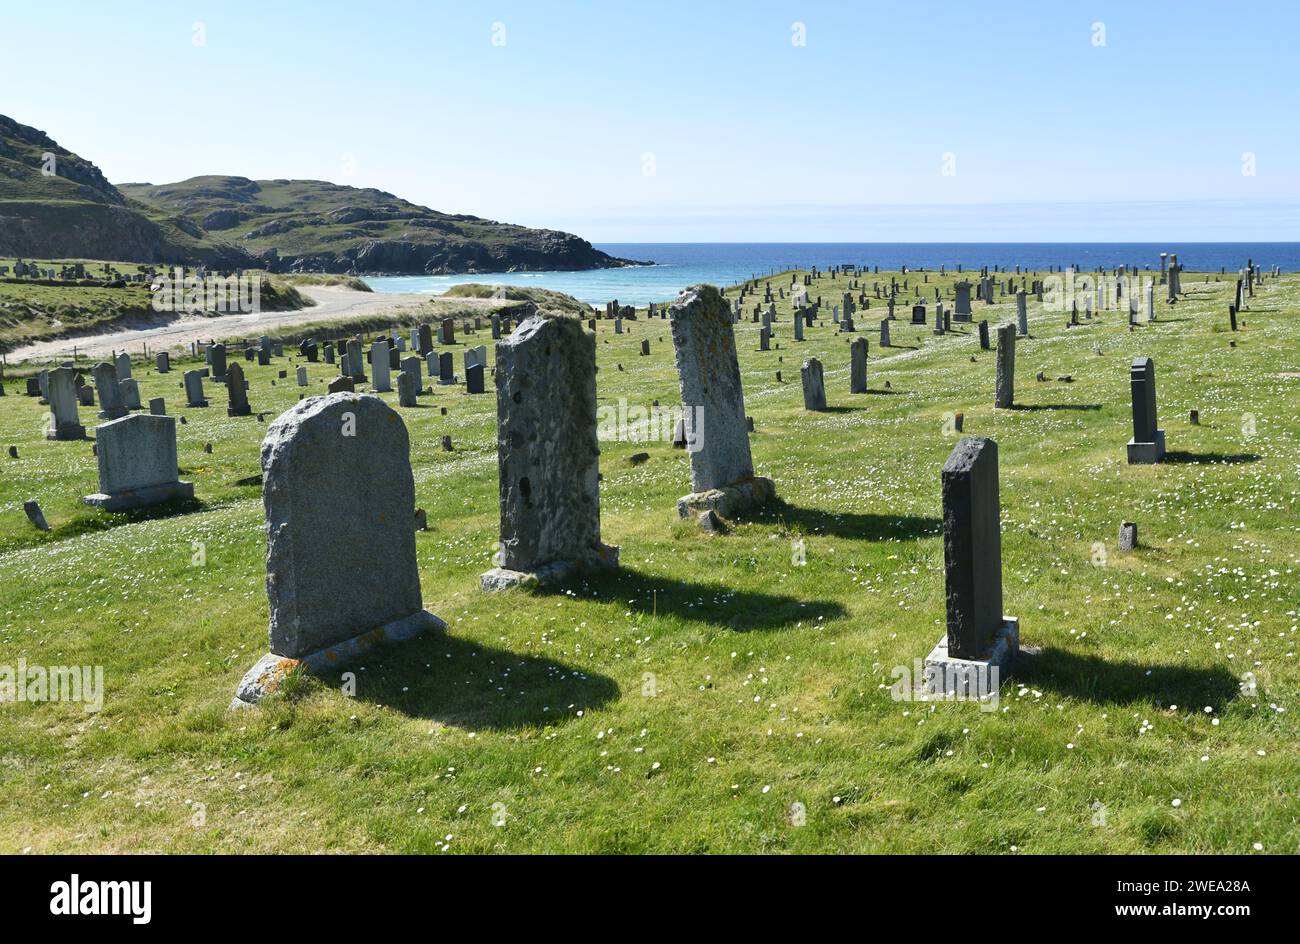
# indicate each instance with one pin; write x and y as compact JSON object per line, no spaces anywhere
{"x":541,"y":297}
{"x":57,"y":204}
{"x":313,"y":225}
{"x":30,"y":311}
{"x":688,"y":703}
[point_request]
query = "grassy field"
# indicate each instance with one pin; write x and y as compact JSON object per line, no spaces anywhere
{"x":34,"y":312}
{"x":718,"y":694}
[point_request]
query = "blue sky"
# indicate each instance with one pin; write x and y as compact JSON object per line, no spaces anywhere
{"x":701,"y":121}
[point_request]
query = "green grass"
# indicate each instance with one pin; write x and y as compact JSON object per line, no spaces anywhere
{"x":30,"y":311}
{"x":772,"y":679}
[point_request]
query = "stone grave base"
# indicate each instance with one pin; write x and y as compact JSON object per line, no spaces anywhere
{"x":67,"y":431}
{"x":502,"y":578}
{"x":141,"y":497}
{"x":1147,"y":453}
{"x":730,"y":501}
{"x":947,"y":677}
{"x":265,"y":677}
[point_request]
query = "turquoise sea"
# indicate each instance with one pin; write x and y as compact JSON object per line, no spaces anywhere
{"x":678,"y":265}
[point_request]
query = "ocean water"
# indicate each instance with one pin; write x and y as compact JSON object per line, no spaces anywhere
{"x":678,"y":265}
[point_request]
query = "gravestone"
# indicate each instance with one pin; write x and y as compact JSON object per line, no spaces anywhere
{"x":237,"y":390}
{"x":1148,"y":443}
{"x":547,"y":455}
{"x":858,"y":364}
{"x":301,"y":375}
{"x":130,"y":393}
{"x":340,"y":563}
{"x":412,"y":365}
{"x":474,"y":378}
{"x":162,"y":362}
{"x":814,"y":385}
{"x":137,"y":463}
{"x":356,"y":367}
{"x":65,"y":419}
{"x":123,"y":365}
{"x":341,"y":384}
{"x":884,"y":332}
{"x":962,"y":294}
{"x":1022,"y":315}
{"x":85,"y":394}
{"x":408,"y":387}
{"x":446,"y":369}
{"x":157,"y":406}
{"x":984,"y":335}
{"x":380,"y":368}
{"x":194,"y":389}
{"x":111,"y":406}
{"x":1005,"y":392}
{"x":708,"y":373}
{"x":425,"y":346}
{"x":981,"y":643}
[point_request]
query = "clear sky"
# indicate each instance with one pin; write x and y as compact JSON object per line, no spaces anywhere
{"x":697,"y":121}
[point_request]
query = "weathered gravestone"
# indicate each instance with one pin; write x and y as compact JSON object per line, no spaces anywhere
{"x":237,"y":389}
{"x":111,"y":406}
{"x":1022,"y":315}
{"x":984,"y":335}
{"x":157,"y":406}
{"x":981,"y":643}
{"x":123,"y":365}
{"x":130,"y":388}
{"x":1148,"y":443}
{"x":548,"y":455}
{"x":194,"y":389}
{"x":962,"y":293}
{"x":1005,"y":390}
{"x":412,"y":365}
{"x":884,"y":333}
{"x":408,"y":388}
{"x":814,"y":385}
{"x":301,"y":376}
{"x":380,"y":368}
{"x":162,"y":362}
{"x":336,"y":466}
{"x":858,"y":365}
{"x":356,"y":365}
{"x":474,"y":378}
{"x":65,"y":419}
{"x":137,"y":463}
{"x":708,"y":373}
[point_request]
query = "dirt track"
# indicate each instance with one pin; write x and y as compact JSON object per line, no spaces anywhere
{"x":176,"y":333}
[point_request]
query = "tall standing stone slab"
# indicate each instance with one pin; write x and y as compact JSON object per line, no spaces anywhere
{"x":981,"y":643}
{"x":123,"y":365}
{"x":341,"y":574}
{"x":356,"y":361}
{"x":237,"y":391}
{"x":1005,"y":390}
{"x":1022,"y":314}
{"x":65,"y":418}
{"x":547,"y":454}
{"x":137,"y":463}
{"x":713,"y":401}
{"x":858,"y":365}
{"x":111,"y":406}
{"x":814,"y":385}
{"x":1148,"y":443}
{"x":380,"y":367}
{"x":162,"y":362}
